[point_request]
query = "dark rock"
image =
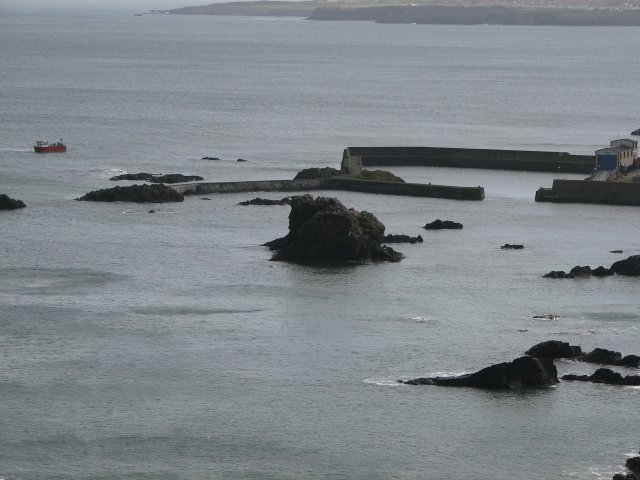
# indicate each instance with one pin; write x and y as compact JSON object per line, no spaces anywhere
{"x":512,"y":246}
{"x":601,"y":272}
{"x":152,"y":211}
{"x":606,"y":376}
{"x":628,"y":476}
{"x":8,"y":203}
{"x":155,"y":178}
{"x":616,"y":251}
{"x":442,"y":224}
{"x":402,"y":239}
{"x":554,"y":349}
{"x":630,"y":266}
{"x":132,"y":176}
{"x":547,"y":317}
{"x":322,"y":230}
{"x":205,"y":198}
{"x":523,"y":372}
{"x":630,"y":361}
{"x":134,"y":193}
{"x":241,"y":160}
{"x":210,"y":158}
{"x":326,"y":172}
{"x":266,"y":201}
{"x":603,"y":356}
{"x":379,"y":176}
{"x":582,"y":272}
{"x":633,"y":464}
{"x":175,"y":178}
{"x":636,"y":132}
{"x":557,"y":274}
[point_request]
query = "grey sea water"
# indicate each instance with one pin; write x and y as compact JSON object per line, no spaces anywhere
{"x":167,"y":346}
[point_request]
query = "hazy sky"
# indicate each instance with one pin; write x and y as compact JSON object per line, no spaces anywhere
{"x":132,"y":5}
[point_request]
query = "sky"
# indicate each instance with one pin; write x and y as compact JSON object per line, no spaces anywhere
{"x":124,"y":5}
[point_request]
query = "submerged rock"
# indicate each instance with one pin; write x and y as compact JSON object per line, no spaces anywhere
{"x":523,"y":372}
{"x":402,"y":239}
{"x":323,"y":230}
{"x":134,"y":193}
{"x":8,"y":203}
{"x":266,"y":201}
{"x":547,"y":317}
{"x":558,"y":274}
{"x":512,"y":246}
{"x":442,"y":224}
{"x":554,"y":349}
{"x":132,"y":176}
{"x":607,"y":376}
{"x":210,"y":158}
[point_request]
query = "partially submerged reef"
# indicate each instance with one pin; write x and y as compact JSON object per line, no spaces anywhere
{"x":628,"y":267}
{"x":537,"y":370}
{"x":328,"y":172}
{"x":158,"y":193}
{"x":323,"y":231}
{"x":266,"y":201}
{"x":443,"y":225}
{"x":158,"y":178}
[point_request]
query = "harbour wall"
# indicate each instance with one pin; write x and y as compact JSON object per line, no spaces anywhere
{"x":342,"y":183}
{"x":581,"y":191}
{"x":536,"y":161}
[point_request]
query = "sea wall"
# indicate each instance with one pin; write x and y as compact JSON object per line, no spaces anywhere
{"x":536,"y":161}
{"x":581,"y":191}
{"x":346,"y":184}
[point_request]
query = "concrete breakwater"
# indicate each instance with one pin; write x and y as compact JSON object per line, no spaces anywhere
{"x":342,"y":183}
{"x":536,"y":161}
{"x":581,"y":191}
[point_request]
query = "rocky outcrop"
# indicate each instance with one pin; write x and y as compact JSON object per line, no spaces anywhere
{"x":626,"y":476}
{"x":266,"y":201}
{"x":523,"y":372}
{"x":557,"y":349}
{"x":326,"y":172}
{"x":607,"y":376}
{"x":156,"y":178}
{"x":132,"y":176}
{"x":8,"y":203}
{"x":633,"y":464}
{"x":322,"y":230}
{"x":554,"y":349}
{"x":628,"y":267}
{"x":402,"y":239}
{"x":134,"y":193}
{"x":241,"y":160}
{"x":210,"y":158}
{"x":442,"y":224}
{"x":512,"y":246}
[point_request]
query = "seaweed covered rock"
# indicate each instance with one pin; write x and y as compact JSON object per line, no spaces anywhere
{"x":326,"y":172}
{"x":379,"y":176}
{"x":523,"y":372}
{"x":266,"y":201}
{"x":443,"y":224}
{"x":323,"y":230}
{"x":134,"y":193}
{"x":8,"y":203}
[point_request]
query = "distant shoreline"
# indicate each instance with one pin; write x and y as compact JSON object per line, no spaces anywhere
{"x":423,"y":14}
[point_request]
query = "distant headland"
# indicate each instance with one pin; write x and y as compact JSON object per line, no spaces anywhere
{"x":496,"y":12}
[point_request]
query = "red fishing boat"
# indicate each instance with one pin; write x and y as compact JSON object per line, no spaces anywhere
{"x":42,"y":146}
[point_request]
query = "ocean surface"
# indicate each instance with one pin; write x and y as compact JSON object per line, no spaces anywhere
{"x":166,"y":345}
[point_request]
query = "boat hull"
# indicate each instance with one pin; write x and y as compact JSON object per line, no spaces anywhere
{"x":50,"y":149}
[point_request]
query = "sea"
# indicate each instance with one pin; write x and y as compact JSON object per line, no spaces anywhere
{"x":159,"y":342}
